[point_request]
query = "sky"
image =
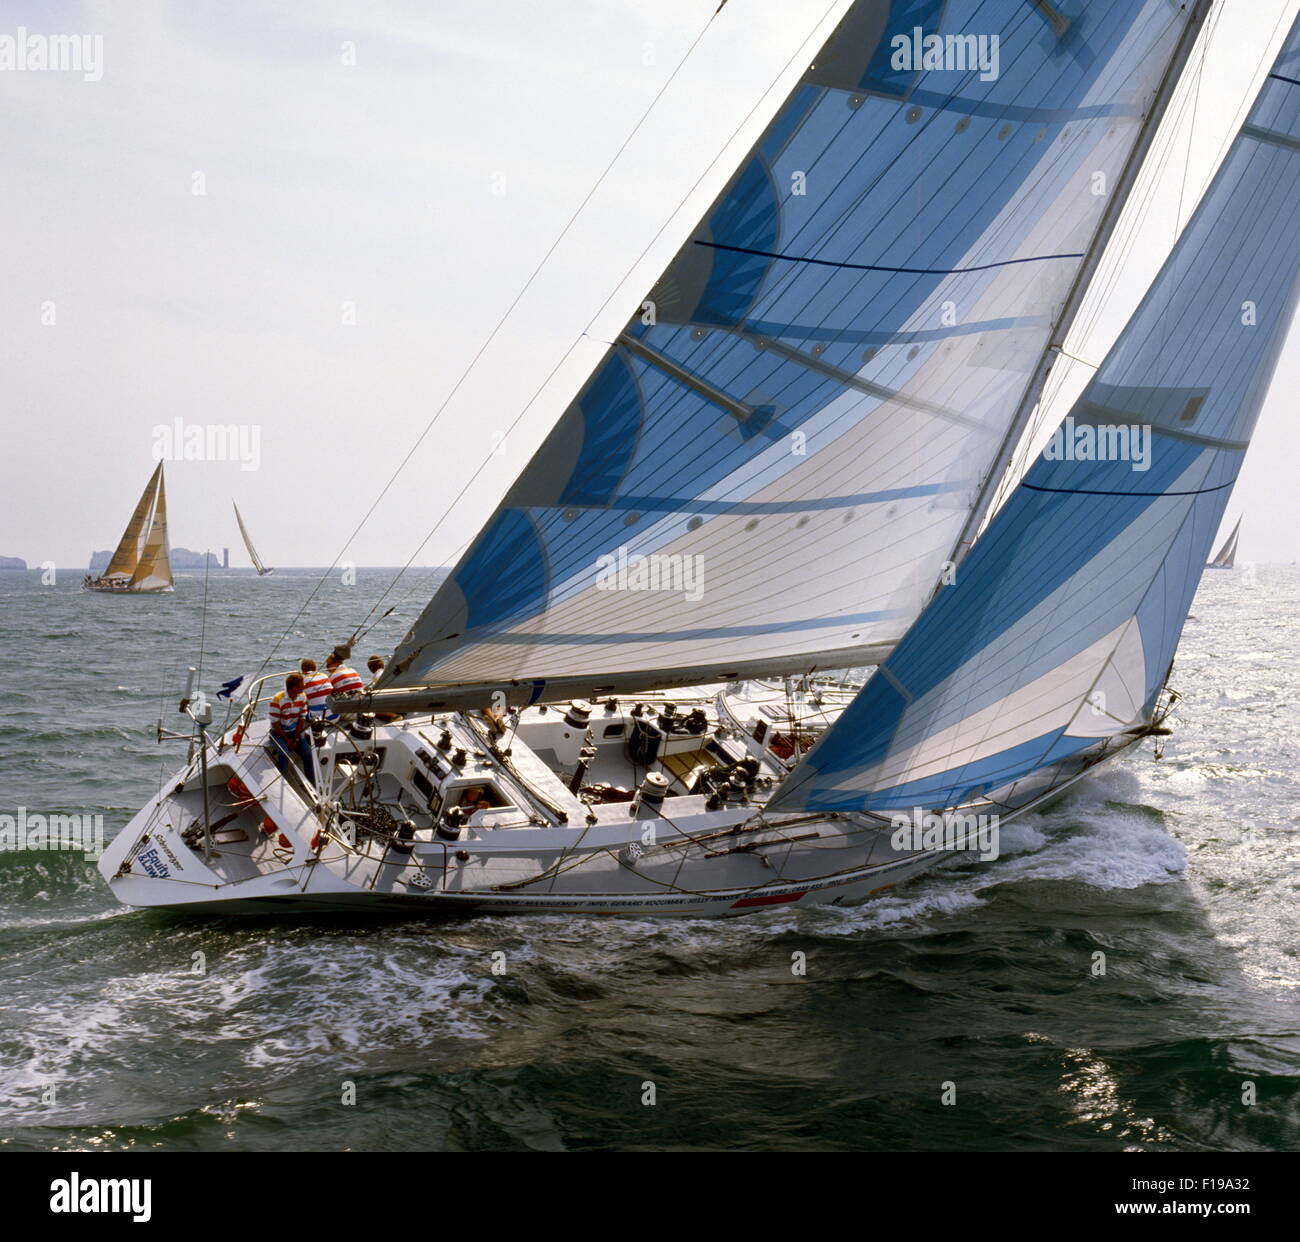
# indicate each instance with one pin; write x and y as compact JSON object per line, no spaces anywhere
{"x":305,"y":219}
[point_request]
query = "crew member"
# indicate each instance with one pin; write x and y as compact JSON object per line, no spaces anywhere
{"x":289,"y":728}
{"x":376,"y":666}
{"x":474,"y":800}
{"x":345,"y":680}
{"x":318,"y":688}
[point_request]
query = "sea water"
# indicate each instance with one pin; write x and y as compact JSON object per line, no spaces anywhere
{"x":1122,"y":977}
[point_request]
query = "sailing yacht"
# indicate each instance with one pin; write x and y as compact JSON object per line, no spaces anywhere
{"x":785,"y":463}
{"x":262,"y":570}
{"x":1226,"y":557}
{"x":142,"y":563}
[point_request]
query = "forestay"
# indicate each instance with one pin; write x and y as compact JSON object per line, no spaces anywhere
{"x":1061,"y":627}
{"x":770,"y":465}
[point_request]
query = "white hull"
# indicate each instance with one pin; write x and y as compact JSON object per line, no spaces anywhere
{"x":278,"y":845}
{"x":108,"y":589}
{"x":297,"y":893}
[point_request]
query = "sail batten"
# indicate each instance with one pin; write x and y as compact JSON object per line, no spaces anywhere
{"x":1058,"y":634}
{"x":795,"y":426}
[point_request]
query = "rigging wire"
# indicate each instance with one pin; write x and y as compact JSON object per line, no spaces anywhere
{"x":1153,"y":174}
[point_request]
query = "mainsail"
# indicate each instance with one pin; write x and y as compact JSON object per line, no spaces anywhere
{"x":1060,"y":629}
{"x":262,"y":570}
{"x":1227,"y":555}
{"x":769,"y":467}
{"x":131,"y":546}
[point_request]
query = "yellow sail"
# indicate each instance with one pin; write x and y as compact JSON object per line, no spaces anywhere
{"x":153,"y":572}
{"x":129,"y":550}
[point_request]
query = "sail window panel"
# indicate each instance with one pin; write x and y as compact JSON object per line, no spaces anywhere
{"x":1081,"y":584}
{"x":695,"y":420}
{"x":509,"y":573}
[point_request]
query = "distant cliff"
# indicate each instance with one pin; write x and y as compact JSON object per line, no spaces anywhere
{"x":12,"y":562}
{"x":182,"y":558}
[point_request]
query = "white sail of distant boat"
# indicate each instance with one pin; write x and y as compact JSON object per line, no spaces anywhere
{"x":262,"y":570}
{"x":787,"y":447}
{"x":141,"y":563}
{"x":1226,"y":557}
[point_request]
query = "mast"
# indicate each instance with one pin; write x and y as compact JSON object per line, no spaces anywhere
{"x":1078,"y":290}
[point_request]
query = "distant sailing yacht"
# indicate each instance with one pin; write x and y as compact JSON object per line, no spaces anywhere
{"x":262,"y":570}
{"x":142,"y":564}
{"x":813,"y":411}
{"x":1227,"y":555}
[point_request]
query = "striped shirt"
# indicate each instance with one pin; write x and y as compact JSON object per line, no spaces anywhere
{"x":318,"y":688}
{"x":288,"y":712}
{"x":346,"y":680}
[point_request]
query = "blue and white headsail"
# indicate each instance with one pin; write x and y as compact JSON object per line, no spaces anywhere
{"x":770,"y":465}
{"x":1057,"y":636}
